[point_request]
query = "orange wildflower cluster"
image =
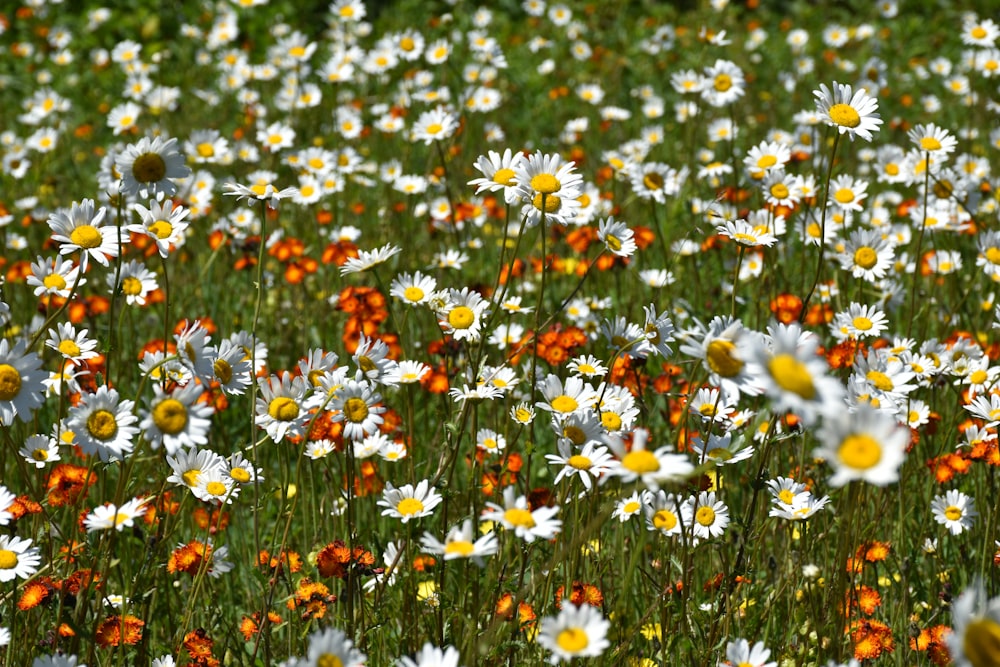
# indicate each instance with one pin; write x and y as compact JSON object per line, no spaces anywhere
{"x":23,"y":505}
{"x":291,"y":253}
{"x":505,"y":609}
{"x":500,"y":473}
{"x":213,"y":521}
{"x":864,"y":598}
{"x":311,"y":598}
{"x":278,"y":562}
{"x":366,"y":310}
{"x":581,"y":594}
{"x":199,"y":645}
{"x":556,"y":346}
{"x":190,"y":557}
{"x":118,"y":630}
{"x":67,"y":483}
{"x":338,"y":560}
{"x":871,"y":639}
{"x":250,"y":625}
{"x":934,"y":640}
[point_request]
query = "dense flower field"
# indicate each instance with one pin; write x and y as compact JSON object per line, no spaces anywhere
{"x":438,"y":334}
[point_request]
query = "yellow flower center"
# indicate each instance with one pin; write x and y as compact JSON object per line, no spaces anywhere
{"x":564,"y":403}
{"x":779,"y":191}
{"x":547,"y":203}
{"x":259,"y":189}
{"x":844,"y":195}
{"x":792,"y":375}
{"x":517,"y":516}
{"x":102,"y":425}
{"x":664,"y":520}
{"x":8,"y":559}
{"x":862,"y":323}
{"x":719,"y":355}
{"x":978,"y":376}
{"x":162,"y":229}
{"x":86,"y":236}
{"x":981,"y":643}
{"x":191,"y":477}
{"x":461,"y":317}
{"x":723,"y":82}
{"x":54,"y":281}
{"x":132,"y":286}
{"x":241,"y":475}
{"x":892,"y":169}
{"x":283,"y":409}
{"x":719,"y":454}
{"x":632,"y":507}
{"x":572,"y":640}
{"x":612,"y":421}
{"x":653,"y":181}
{"x":222,"y":370}
{"x":574,"y":434}
{"x":786,"y":496}
{"x":434,"y":128}
{"x":545,"y":184}
{"x":705,"y":515}
{"x":460,"y":548}
{"x":880,"y":380}
{"x":149,"y":168}
{"x":930,"y":144}
{"x":40,"y":455}
{"x":978,"y":32}
{"x":613,"y":243}
{"x":329,"y":659}
{"x":865,"y":257}
{"x":859,"y":451}
{"x":953,"y":513}
{"x":69,"y":348}
{"x":170,"y":416}
{"x":413,"y":294}
{"x":844,"y":115}
{"x":504,"y":176}
{"x":216,"y":488}
{"x":579,"y":462}
{"x":641,"y":461}
{"x":355,"y":410}
{"x":205,"y":149}
{"x":409,"y":506}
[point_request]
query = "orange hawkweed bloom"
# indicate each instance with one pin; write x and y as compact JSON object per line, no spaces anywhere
{"x":67,"y":482}
{"x":871,"y":639}
{"x":189,"y":557}
{"x":581,"y":594}
{"x":199,"y":645}
{"x":311,"y":597}
{"x":786,"y":308}
{"x":118,"y":630}
{"x":35,"y":593}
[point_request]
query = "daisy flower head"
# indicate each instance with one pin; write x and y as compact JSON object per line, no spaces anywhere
{"x":163,"y":223}
{"x":979,"y":32}
{"x":616,"y":237}
{"x":724,"y":83}
{"x":747,"y":234}
{"x":460,"y":543}
{"x":866,"y":445}
{"x":550,"y":187}
{"x":6,"y":501}
{"x":413,"y":289}
{"x":435,"y":125}
{"x":720,"y":449}
{"x":73,"y":345}
{"x":659,"y":330}
{"x":590,"y":463}
{"x":356,"y":405}
{"x":848,"y":193}
{"x":135,"y":282}
{"x":786,"y":365}
{"x":279,"y":408}
{"x":231,"y":367}
{"x":369,"y":259}
{"x":663,"y":512}
{"x":110,"y":517}
{"x":462,"y":314}
{"x":103,"y":424}
{"x":587,"y":366}
{"x":22,"y":387}
{"x":18,"y":559}
{"x":955,"y":511}
{"x":859,"y":321}
{"x":740,"y":653}
{"x":50,"y":276}
{"x":262,"y":188}
{"x":852,"y":114}
{"x":708,"y":517}
{"x":517,"y":515}
{"x":188,"y":466}
{"x":178,"y":419}
{"x":867,"y":254}
{"x":577,"y":632}
{"x":148,"y":168}
{"x":652,"y":468}
{"x":409,"y":502}
{"x":373,"y":362}
{"x":931,"y":138}
{"x":499,"y":173}
{"x":81,"y":228}
{"x":331,"y":646}
{"x":39,"y":451}
{"x":565,"y":398}
{"x":766,"y":157}
{"x":656,"y":181}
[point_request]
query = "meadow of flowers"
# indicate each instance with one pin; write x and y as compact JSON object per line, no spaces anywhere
{"x":438,"y":334}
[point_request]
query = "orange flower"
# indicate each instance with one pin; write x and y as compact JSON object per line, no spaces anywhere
{"x":312,"y":598}
{"x":285,"y":558}
{"x":35,"y":593}
{"x":67,"y":482}
{"x":871,"y":638}
{"x":581,"y":594}
{"x":875,"y":551}
{"x":786,"y":308}
{"x":189,"y":557}
{"x":198,"y":645}
{"x":118,"y":630}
